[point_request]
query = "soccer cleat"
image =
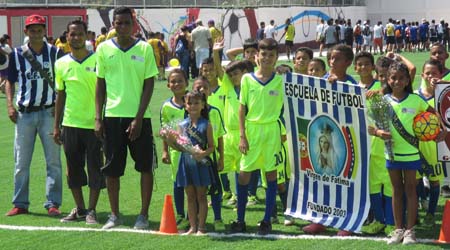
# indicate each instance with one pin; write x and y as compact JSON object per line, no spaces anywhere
{"x":264,"y":228}
{"x":74,"y":215}
{"x":289,"y":220}
{"x":314,"y":228}
{"x":238,"y":227}
{"x":227,"y":195}
{"x":219,"y":225}
{"x":53,"y":211}
{"x":396,"y":237}
{"x":141,"y":222}
{"x":16,"y":211}
{"x":91,"y":217}
{"x":252,"y":201}
{"x":373,"y":228}
{"x":232,"y":201}
{"x":113,"y":221}
{"x":445,"y":191}
{"x":409,"y":237}
{"x":428,"y":221}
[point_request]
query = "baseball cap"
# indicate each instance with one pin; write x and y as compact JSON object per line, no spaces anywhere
{"x":34,"y":19}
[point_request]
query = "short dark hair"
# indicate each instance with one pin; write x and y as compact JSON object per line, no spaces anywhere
{"x":383,"y":62}
{"x":348,"y":52}
{"x":178,"y":71}
{"x":268,"y":44}
{"x":122,"y":11}
{"x":103,"y":30}
{"x":436,"y":63}
{"x":319,"y":61}
{"x":306,"y":50}
{"x":364,"y":54}
{"x":240,"y":65}
{"x":77,"y":22}
{"x":250,"y":43}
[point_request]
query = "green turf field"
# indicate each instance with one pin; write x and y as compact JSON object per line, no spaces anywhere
{"x":130,"y":205}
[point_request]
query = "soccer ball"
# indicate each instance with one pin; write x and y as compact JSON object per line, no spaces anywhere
{"x":426,"y":126}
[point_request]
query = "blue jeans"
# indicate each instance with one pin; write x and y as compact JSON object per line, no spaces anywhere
{"x":27,"y":126}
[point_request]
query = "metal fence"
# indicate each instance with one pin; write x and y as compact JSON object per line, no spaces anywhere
{"x":178,"y":3}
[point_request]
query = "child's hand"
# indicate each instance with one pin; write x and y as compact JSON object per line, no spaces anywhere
{"x":442,"y":134}
{"x":283,"y":138}
{"x":383,"y":134}
{"x":332,"y":78}
{"x":434,"y":81}
{"x":166,"y":158}
{"x":199,"y":155}
{"x":219,"y":45}
{"x":243,"y":145}
{"x":220,"y":164}
{"x":371,"y":93}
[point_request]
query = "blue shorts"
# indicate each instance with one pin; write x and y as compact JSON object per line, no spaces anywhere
{"x":404,"y":165}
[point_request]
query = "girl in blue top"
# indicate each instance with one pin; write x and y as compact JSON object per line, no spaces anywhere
{"x":193,"y":170}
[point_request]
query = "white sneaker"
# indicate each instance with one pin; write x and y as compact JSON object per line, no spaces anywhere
{"x":289,"y":220}
{"x":396,"y":237}
{"x":409,"y":237}
{"x":113,"y":221}
{"x":141,"y":222}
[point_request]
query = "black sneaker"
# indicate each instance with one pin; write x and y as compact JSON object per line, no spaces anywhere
{"x":445,"y":191}
{"x":237,"y":227}
{"x":264,"y":228}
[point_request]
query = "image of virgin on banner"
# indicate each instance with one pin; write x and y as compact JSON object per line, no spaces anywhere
{"x":329,"y":152}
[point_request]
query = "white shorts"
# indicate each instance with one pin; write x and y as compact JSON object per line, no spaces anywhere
{"x":200,"y":55}
{"x":367,"y":40}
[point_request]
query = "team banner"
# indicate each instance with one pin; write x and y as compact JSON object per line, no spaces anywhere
{"x":328,"y":150}
{"x":442,"y":105}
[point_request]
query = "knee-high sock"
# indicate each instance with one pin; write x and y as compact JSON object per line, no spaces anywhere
{"x":216,"y":203}
{"x":178,"y":196}
{"x":283,"y":198}
{"x":271,"y":193}
{"x":420,"y":189}
{"x":434,"y":197}
{"x":241,"y":202}
{"x":376,"y":204}
{"x":225,"y":182}
{"x":388,"y":212}
{"x":253,"y":185}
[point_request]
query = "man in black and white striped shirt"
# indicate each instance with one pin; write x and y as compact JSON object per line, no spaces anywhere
{"x":33,"y":114}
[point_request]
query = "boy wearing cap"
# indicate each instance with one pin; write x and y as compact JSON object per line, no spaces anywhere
{"x":33,"y":114}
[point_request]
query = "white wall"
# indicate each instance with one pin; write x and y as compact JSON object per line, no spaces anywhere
{"x":169,"y":20}
{"x":410,"y":10}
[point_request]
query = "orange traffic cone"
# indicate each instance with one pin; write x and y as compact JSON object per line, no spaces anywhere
{"x":444,"y":236}
{"x":168,"y":223}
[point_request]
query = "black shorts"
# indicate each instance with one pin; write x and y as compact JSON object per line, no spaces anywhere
{"x":142,"y":150}
{"x":390,"y":40}
{"x":289,"y":43}
{"x":82,"y":145}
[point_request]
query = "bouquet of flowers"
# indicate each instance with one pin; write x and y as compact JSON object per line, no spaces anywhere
{"x":380,"y":110}
{"x":173,"y":134}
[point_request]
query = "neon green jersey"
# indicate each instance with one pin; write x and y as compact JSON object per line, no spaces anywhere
{"x":217,"y":98}
{"x":78,"y":80}
{"x":215,"y":118}
{"x":377,"y":144}
{"x":264,"y":101}
{"x":124,"y":72}
{"x":232,"y":109}
{"x":406,"y":110}
{"x":428,"y":148}
{"x":171,"y":112}
{"x":290,"y":33}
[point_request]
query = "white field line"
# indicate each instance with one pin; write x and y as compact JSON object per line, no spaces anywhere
{"x":215,"y":235}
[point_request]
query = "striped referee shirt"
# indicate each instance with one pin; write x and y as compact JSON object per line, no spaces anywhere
{"x":33,"y":90}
